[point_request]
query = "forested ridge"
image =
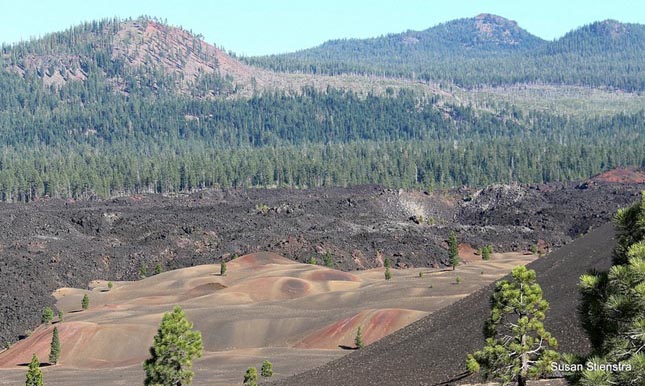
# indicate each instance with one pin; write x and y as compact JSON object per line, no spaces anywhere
{"x":484,"y":50}
{"x":119,"y":128}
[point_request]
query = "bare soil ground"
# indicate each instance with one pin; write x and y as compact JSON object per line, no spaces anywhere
{"x":433,"y":350}
{"x":297,"y":315}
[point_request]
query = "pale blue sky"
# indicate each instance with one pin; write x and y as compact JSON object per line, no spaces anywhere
{"x":254,"y":27}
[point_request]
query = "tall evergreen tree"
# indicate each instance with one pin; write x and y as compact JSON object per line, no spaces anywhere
{"x":613,"y":305}
{"x":173,"y":350}
{"x":34,"y":374}
{"x":517,"y":347}
{"x":453,"y":251}
{"x":358,"y":340}
{"x":55,"y":349}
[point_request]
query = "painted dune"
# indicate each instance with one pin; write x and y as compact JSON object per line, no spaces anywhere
{"x":267,"y":307}
{"x":375,"y":324}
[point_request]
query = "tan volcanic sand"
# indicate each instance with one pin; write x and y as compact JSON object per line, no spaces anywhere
{"x":298,"y":316}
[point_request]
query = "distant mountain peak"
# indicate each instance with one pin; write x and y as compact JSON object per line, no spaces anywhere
{"x":136,"y":48}
{"x":491,"y":18}
{"x":498,"y":30}
{"x":611,"y":27}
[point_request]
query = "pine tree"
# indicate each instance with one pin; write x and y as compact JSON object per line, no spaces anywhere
{"x":358,"y":340}
{"x":174,"y":348}
{"x":517,"y":347}
{"x":222,"y":268}
{"x":453,"y":251}
{"x":85,"y":303}
{"x":613,"y":312}
{"x":34,"y":374}
{"x":614,"y":317}
{"x":158,"y":269}
{"x":47,"y":315}
{"x":486,"y":252}
{"x":55,"y":349}
{"x":61,"y":315}
{"x":266,"y":371}
{"x":251,"y":377}
{"x":110,"y":285}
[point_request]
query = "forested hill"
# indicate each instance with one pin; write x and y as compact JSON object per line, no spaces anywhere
{"x":485,"y":50}
{"x":141,"y":56}
{"x":126,"y":107}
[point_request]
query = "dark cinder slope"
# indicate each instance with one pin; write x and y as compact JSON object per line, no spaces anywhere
{"x":432,"y":351}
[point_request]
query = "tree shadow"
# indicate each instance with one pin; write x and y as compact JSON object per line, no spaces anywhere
{"x":42,"y":364}
{"x":451,"y":381}
{"x":342,"y":346}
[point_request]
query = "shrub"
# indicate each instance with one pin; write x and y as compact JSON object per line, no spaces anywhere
{"x":328,"y":259}
{"x":251,"y":377}
{"x":262,"y":208}
{"x":266,"y":371}
{"x":85,"y":303}
{"x":143,"y":271}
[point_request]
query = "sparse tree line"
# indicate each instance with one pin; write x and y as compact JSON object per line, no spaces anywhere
{"x":34,"y":374}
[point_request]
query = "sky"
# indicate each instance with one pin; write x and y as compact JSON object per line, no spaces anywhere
{"x":259,"y":27}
